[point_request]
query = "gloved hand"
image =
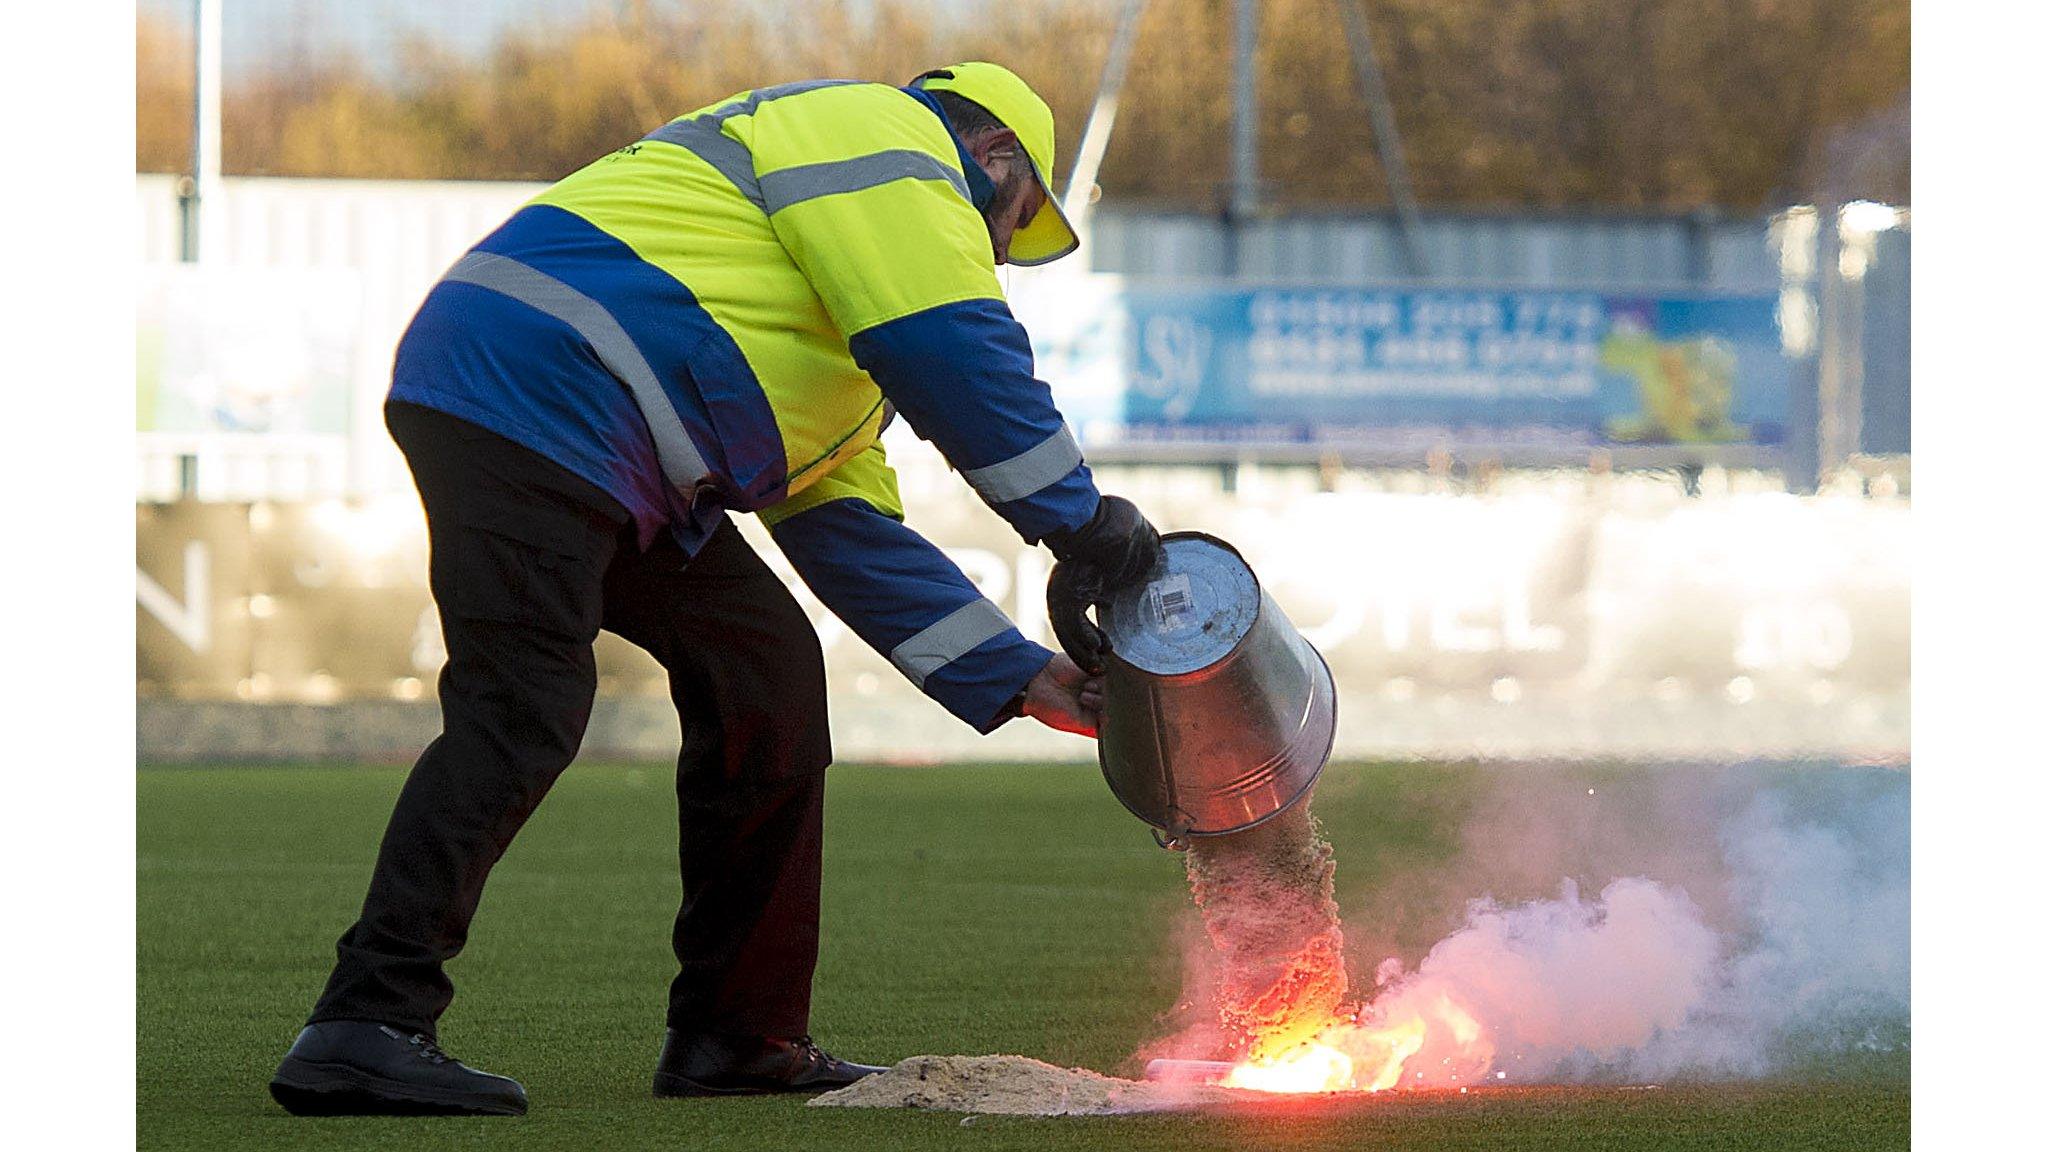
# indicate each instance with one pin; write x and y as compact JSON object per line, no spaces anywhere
{"x":1116,"y":548}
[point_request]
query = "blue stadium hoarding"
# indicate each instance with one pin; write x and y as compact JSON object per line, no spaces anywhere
{"x":1407,"y":367}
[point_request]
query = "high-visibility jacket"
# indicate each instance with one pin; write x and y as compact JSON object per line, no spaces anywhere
{"x":723,"y":316}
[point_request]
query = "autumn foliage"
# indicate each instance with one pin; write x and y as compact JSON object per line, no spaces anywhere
{"x":1654,"y":104}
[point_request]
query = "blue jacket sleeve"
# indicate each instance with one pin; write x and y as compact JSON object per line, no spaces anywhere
{"x":902,"y":596}
{"x":961,"y":374}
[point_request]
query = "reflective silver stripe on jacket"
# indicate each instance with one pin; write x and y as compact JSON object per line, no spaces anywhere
{"x":804,"y":182}
{"x":715,"y":148}
{"x":1038,"y":467}
{"x":704,"y":135}
{"x":961,"y":632}
{"x":680,"y":461}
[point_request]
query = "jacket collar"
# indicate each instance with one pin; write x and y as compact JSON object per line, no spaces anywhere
{"x":980,"y":189}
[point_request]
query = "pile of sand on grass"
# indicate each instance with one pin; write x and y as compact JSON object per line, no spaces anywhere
{"x":1014,"y":1086}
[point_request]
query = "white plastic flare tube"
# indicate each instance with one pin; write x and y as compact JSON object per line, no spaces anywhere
{"x":1187,"y":1071}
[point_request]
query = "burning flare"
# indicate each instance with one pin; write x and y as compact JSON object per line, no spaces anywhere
{"x":1312,"y":1067}
{"x":1412,"y":1042}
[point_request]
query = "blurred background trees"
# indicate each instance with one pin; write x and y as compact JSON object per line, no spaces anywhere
{"x":1645,"y":104}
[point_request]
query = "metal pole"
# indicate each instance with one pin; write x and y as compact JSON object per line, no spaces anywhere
{"x":1386,"y":136}
{"x":1854,"y":270}
{"x":1079,"y":199}
{"x":199,"y":194}
{"x":203,"y":194}
{"x":1244,"y":135}
{"x":1808,"y":417}
{"x":1840,"y":394}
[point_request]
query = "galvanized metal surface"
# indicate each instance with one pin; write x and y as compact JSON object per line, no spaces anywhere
{"x":1217,"y":714}
{"x":1191,"y":616}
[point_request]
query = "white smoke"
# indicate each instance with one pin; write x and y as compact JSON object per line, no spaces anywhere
{"x":1808,"y":963}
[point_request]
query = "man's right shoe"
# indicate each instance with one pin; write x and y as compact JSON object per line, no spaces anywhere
{"x":355,"y":1068}
{"x":704,"y":1065}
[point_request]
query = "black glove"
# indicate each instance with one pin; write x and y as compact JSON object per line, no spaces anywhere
{"x":1116,"y":548}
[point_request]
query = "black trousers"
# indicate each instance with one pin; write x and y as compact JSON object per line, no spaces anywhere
{"x":528,"y":562}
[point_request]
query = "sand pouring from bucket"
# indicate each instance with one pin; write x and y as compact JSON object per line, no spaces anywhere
{"x":1217,"y":714}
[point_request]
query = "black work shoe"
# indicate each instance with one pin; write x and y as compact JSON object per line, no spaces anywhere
{"x":703,"y":1065}
{"x":354,"y":1068}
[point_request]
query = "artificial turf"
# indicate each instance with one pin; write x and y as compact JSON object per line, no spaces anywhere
{"x":968,"y":909}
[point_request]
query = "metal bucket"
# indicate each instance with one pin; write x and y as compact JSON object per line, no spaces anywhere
{"x":1217,"y":715}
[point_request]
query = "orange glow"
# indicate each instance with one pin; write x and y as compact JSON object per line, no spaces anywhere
{"x":1312,"y":1067}
{"x":1350,"y":1054}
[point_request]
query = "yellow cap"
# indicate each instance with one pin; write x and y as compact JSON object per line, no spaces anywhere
{"x":1048,"y":237}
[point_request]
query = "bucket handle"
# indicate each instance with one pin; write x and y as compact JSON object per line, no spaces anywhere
{"x":1174,"y":837}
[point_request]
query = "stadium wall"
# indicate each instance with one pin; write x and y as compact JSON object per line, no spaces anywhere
{"x":1561,"y":615}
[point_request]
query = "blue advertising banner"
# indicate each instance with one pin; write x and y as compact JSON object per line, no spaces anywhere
{"x":1407,"y":367}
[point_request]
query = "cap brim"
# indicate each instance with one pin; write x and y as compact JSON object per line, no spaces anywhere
{"x":1048,"y":237}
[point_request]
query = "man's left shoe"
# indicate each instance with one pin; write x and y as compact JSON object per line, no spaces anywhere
{"x":705,"y":1065}
{"x":359,"y":1068}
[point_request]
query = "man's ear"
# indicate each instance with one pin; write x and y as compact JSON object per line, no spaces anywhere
{"x":995,"y":142}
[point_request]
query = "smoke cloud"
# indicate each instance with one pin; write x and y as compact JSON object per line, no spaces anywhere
{"x":1739,"y":924}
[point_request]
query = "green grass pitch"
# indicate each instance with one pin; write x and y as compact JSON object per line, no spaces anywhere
{"x":968,"y":909}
